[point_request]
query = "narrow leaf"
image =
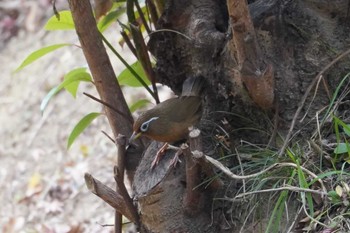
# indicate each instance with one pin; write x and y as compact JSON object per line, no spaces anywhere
{"x":38,"y":54}
{"x":127,"y":78}
{"x":110,"y":18}
{"x":347,"y":129}
{"x":71,"y":79}
{"x":81,"y":126}
{"x":303,"y":184}
{"x":64,"y":23}
{"x":138,"y":104}
{"x":76,"y":75}
{"x":328,"y":174}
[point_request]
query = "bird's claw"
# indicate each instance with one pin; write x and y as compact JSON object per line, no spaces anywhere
{"x":161,"y":152}
{"x":159,"y":155}
{"x":176,"y":159}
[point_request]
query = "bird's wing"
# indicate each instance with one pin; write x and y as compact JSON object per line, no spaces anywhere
{"x":191,"y":110}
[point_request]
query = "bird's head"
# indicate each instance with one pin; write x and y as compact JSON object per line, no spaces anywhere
{"x":143,"y":126}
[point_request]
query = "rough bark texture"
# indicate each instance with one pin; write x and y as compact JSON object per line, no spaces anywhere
{"x":101,"y":68}
{"x":160,"y":193}
{"x":298,"y":38}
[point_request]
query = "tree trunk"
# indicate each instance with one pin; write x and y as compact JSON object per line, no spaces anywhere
{"x":256,"y":81}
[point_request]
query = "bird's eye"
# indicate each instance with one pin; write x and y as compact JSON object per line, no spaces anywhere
{"x":145,"y":125}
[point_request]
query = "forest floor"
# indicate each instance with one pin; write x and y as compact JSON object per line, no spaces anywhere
{"x":41,"y":182}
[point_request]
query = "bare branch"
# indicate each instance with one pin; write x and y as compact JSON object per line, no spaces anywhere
{"x":111,"y":197}
{"x":100,"y":67}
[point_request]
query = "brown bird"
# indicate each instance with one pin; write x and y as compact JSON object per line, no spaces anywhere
{"x":169,"y":121}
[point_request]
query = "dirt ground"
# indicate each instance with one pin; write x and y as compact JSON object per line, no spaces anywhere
{"x":41,"y":182}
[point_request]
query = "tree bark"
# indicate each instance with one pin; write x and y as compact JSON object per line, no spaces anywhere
{"x":101,"y":68}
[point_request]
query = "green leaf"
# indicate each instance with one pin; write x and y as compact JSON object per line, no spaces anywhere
{"x":328,"y":174}
{"x":276,"y":215}
{"x":334,"y":197}
{"x":127,"y":78}
{"x":306,"y":197}
{"x":347,"y":129}
{"x":74,"y":76}
{"x":65,"y":22}
{"x":138,"y":104}
{"x":81,"y":126}
{"x":38,"y":54}
{"x":342,"y":148}
{"x":111,"y":17}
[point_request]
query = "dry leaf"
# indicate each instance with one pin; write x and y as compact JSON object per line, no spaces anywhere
{"x":34,"y":184}
{"x":102,"y":7}
{"x":339,"y":190}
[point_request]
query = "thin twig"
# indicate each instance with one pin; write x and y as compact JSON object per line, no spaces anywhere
{"x":170,"y":30}
{"x":306,"y":94}
{"x":142,"y":16}
{"x":55,"y":10}
{"x":126,"y":197}
{"x":291,"y":227}
{"x":143,"y":57}
{"x":128,"y":42}
{"x":109,"y":106}
{"x":109,"y":137}
{"x":136,"y":75}
{"x":120,"y":143}
{"x":153,"y":12}
{"x":288,"y":188}
{"x":313,"y":98}
{"x":227,"y":171}
{"x":312,"y":218}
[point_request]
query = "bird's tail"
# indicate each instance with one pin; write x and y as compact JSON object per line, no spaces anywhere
{"x":193,"y":86}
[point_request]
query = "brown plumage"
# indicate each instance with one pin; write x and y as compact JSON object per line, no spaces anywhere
{"x":169,"y":120}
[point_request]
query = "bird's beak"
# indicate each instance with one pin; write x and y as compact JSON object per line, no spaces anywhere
{"x":134,"y":136}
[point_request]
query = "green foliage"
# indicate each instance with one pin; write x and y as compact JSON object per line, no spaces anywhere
{"x":342,"y":148}
{"x":124,"y":76}
{"x":65,"y":22}
{"x":343,"y":145}
{"x":334,"y":197}
{"x":133,"y":75}
{"x":38,"y":54}
{"x":277,"y":213}
{"x":117,"y":10}
{"x":335,"y":95}
{"x":70,"y":83}
{"x":81,"y":126}
{"x":139,"y":104}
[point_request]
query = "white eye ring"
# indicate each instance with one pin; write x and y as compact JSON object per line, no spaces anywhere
{"x":145,"y":125}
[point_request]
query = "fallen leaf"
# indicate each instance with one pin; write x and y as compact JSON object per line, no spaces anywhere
{"x":34,"y":184}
